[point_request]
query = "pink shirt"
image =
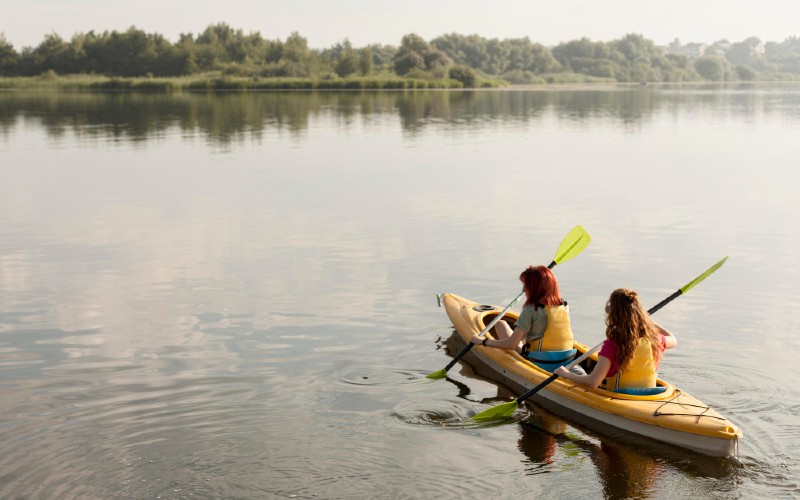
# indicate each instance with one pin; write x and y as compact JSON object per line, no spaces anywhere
{"x":609,"y":351}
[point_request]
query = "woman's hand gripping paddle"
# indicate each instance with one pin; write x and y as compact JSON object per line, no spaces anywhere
{"x":505,"y":410}
{"x":572,"y":244}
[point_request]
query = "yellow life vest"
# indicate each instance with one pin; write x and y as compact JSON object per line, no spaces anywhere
{"x":558,"y":334}
{"x":640,"y":372}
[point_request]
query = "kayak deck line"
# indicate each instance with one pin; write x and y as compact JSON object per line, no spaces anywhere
{"x":704,"y":431}
{"x":658,"y":413}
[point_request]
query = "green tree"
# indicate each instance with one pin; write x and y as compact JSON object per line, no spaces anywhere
{"x":498,"y":53}
{"x":342,"y":58}
{"x":411,"y":54}
{"x":643,"y":60}
{"x":471,"y":50}
{"x":273,"y":51}
{"x":417,"y":54}
{"x":783,"y":56}
{"x":220,"y":45}
{"x":593,"y":58}
{"x":8,"y":57}
{"x":185,"y":57}
{"x":679,"y":68}
{"x":129,"y":53}
{"x":436,"y":60}
{"x":414,"y":43}
{"x":746,"y":73}
{"x":464,"y":74}
{"x":637,"y":49}
{"x":382,"y":56}
{"x":53,"y":54}
{"x":365,"y":61}
{"x":407,"y":61}
{"x":297,"y":59}
{"x":528,"y":56}
{"x":347,"y":63}
{"x":232,"y":46}
{"x":743,"y":52}
{"x":711,"y":68}
{"x":739,"y":53}
{"x":296,"y":47}
{"x":574,"y":49}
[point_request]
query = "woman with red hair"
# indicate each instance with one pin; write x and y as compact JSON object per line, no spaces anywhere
{"x":543,"y":325}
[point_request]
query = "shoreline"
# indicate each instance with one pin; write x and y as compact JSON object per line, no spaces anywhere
{"x":91,"y":83}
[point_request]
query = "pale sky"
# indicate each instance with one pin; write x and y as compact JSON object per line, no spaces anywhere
{"x":323,"y":23}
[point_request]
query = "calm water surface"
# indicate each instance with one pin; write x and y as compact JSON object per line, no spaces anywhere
{"x":234,"y":295}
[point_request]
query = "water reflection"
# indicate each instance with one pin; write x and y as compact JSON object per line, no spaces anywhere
{"x":624,"y":470}
{"x":240,"y":286}
{"x":235,"y":117}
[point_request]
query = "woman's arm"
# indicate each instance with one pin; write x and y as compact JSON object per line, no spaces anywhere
{"x":591,"y":380}
{"x":507,"y":343}
{"x":668,"y":336}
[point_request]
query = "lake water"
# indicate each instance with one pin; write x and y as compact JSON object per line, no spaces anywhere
{"x":234,"y":295}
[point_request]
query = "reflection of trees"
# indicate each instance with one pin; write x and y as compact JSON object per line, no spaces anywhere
{"x":233,"y":117}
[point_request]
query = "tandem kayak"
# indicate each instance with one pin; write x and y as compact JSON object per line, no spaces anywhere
{"x":673,"y":416}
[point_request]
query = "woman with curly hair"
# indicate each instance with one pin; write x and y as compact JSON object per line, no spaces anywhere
{"x":632,"y":350}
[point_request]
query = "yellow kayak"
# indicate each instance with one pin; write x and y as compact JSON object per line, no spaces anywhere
{"x":672,"y":416}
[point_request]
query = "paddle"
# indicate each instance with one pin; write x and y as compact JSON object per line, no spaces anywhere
{"x":507,"y":409}
{"x":572,"y":244}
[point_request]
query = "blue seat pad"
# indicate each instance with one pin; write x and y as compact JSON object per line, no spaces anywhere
{"x":552,"y":356}
{"x":646,"y":391}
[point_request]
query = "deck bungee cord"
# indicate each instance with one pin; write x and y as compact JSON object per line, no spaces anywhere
{"x":658,"y":413}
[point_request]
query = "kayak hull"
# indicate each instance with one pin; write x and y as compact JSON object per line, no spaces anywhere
{"x":673,"y":417}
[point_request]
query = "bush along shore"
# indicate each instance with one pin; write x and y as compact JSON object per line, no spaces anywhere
{"x":226,"y":83}
{"x":218,"y":82}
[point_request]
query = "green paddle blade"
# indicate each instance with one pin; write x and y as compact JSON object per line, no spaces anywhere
{"x":504,"y":410}
{"x":703,"y":276}
{"x":573,"y":244}
{"x":437,"y":374}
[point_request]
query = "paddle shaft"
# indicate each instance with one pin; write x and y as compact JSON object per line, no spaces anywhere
{"x":665,"y":302}
{"x":489,"y":326}
{"x":592,"y":350}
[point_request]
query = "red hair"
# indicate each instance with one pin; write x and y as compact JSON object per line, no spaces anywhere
{"x":540,"y":287}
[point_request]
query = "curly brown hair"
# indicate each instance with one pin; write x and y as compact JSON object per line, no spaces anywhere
{"x":627,"y":322}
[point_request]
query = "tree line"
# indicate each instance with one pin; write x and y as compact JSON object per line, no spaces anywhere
{"x":466,"y":58}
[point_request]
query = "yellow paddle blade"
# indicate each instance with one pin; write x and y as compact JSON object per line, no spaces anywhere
{"x":504,"y":410}
{"x":703,"y":276}
{"x":437,"y":374}
{"x":572,"y":244}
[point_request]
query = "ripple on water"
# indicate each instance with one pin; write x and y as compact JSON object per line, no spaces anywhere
{"x":763,"y":406}
{"x":367,"y":479}
{"x":379,"y":376}
{"x":451,"y":413}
